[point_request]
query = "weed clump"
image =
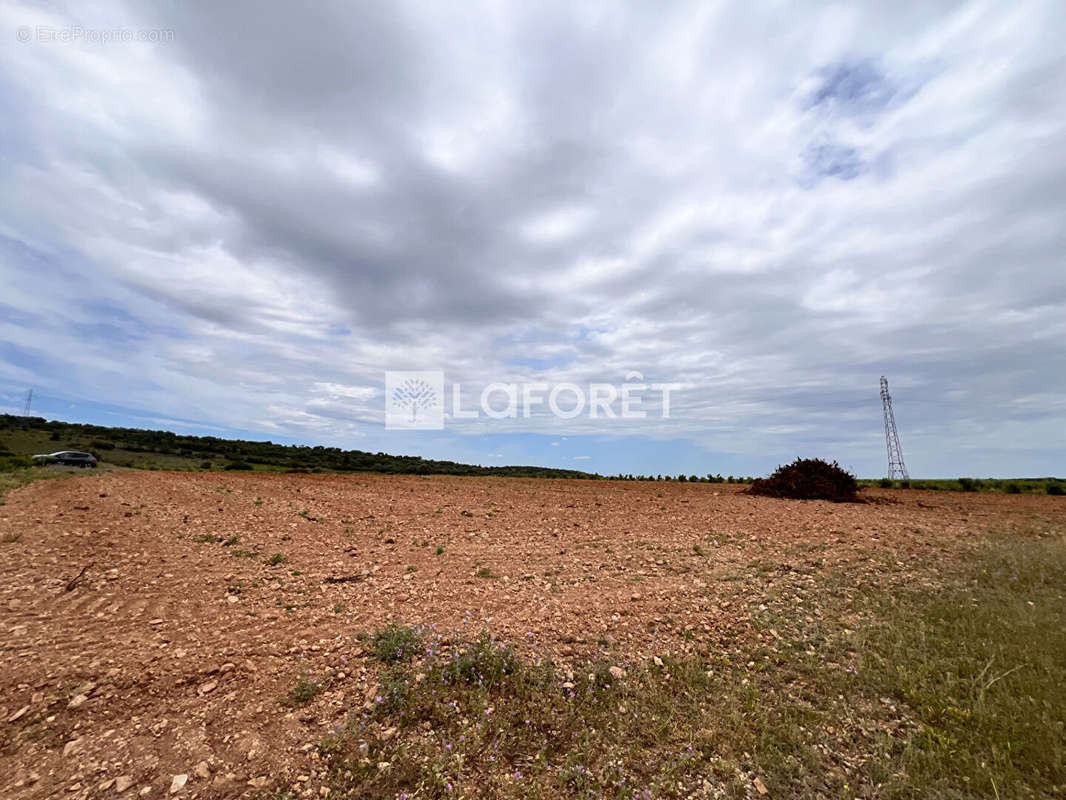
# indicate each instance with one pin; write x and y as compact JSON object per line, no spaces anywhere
{"x":304,"y":690}
{"x":484,"y":662}
{"x":396,"y":642}
{"x":809,"y":479}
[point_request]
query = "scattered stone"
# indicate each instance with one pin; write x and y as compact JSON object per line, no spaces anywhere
{"x":72,"y":746}
{"x":177,"y":783}
{"x":77,"y":700}
{"x":657,"y":661}
{"x":156,"y":621}
{"x":206,"y":688}
{"x":122,"y":783}
{"x":760,"y":787}
{"x":202,"y":770}
{"x":259,"y":782}
{"x":616,"y":672}
{"x":18,"y":714}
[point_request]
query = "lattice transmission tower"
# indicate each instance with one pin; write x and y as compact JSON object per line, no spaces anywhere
{"x":896,"y":467}
{"x":29,"y":402}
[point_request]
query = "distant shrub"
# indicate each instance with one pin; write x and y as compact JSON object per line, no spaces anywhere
{"x":885,"y":483}
{"x":809,"y":479}
{"x":244,"y":465}
{"x":968,"y":484}
{"x":1013,"y":488}
{"x":12,"y":463}
{"x":205,"y":465}
{"x":1055,"y":488}
{"x":904,"y":484}
{"x":99,"y":444}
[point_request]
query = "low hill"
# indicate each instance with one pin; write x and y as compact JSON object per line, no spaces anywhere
{"x":147,"y":449}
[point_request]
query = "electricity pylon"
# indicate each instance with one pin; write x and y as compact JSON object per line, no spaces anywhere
{"x":896,"y":467}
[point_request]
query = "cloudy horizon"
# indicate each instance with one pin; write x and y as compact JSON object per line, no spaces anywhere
{"x":234,"y":223}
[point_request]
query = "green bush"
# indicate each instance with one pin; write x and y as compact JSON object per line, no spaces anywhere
{"x":885,"y":483}
{"x":968,"y":484}
{"x":1055,"y":488}
{"x":809,"y":479}
{"x":12,"y":463}
{"x":242,"y":465}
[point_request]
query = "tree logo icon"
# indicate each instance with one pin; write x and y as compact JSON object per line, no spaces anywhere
{"x":415,"y":395}
{"x":414,"y":399}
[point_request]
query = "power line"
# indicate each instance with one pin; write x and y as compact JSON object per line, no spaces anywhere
{"x":896,"y":467}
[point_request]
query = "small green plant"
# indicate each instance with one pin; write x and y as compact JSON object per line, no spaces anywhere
{"x":396,"y":642}
{"x":339,"y":608}
{"x":484,"y":572}
{"x":302,"y":693}
{"x":484,"y":662}
{"x":258,"y":501}
{"x":207,"y":538}
{"x":277,"y":558}
{"x":231,"y":541}
{"x":440,"y":549}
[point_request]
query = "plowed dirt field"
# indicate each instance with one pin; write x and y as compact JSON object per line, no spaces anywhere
{"x":152,"y":620}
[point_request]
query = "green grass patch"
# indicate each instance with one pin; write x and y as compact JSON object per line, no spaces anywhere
{"x":983,"y":667}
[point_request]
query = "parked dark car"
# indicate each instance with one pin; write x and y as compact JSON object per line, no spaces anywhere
{"x":70,"y":458}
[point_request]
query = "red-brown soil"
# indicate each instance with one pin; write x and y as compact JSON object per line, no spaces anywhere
{"x":168,"y":655}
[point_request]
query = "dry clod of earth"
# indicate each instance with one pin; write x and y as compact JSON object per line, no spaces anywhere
{"x":176,"y":647}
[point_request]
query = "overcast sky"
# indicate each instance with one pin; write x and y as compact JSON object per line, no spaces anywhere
{"x":237,"y":225}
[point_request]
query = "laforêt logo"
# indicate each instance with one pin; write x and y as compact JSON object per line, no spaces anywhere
{"x":414,"y":399}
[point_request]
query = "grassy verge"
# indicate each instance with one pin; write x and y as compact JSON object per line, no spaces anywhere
{"x":13,"y":479}
{"x":959,"y":693}
{"x":983,"y":667}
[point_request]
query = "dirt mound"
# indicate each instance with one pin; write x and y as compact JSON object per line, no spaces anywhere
{"x":809,"y":479}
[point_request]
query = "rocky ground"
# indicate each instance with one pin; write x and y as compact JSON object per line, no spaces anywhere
{"x":152,"y":621}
